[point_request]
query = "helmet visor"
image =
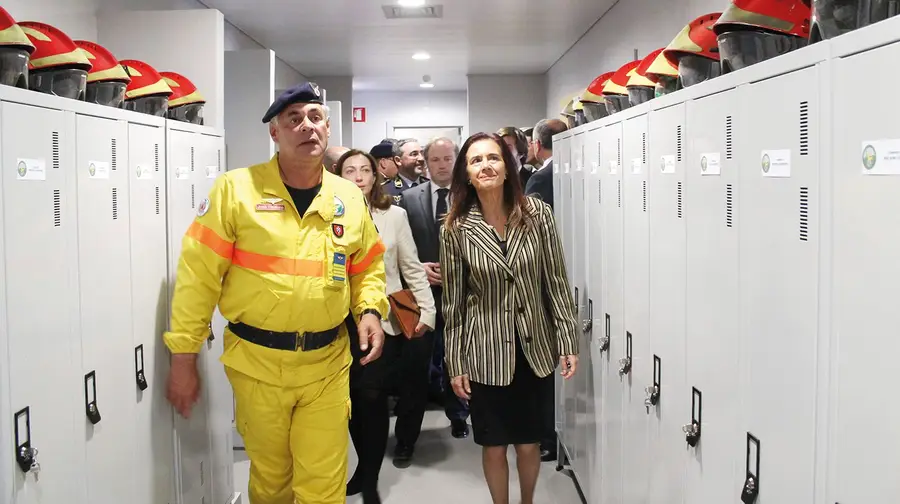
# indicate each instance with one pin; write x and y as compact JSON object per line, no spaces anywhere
{"x":740,"y":49}
{"x":64,"y":82}
{"x":836,"y":17}
{"x":109,"y":94}
{"x":14,"y":68}
{"x":616,"y":103}
{"x":594,"y":111}
{"x":155,"y":105}
{"x":694,"y":69}
{"x":640,"y":94}
{"x":190,"y":113}
{"x":666,"y":85}
{"x":580,"y":118}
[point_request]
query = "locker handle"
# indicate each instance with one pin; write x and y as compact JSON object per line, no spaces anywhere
{"x":751,"y":484}
{"x":90,"y":390}
{"x":139,"y":374}
{"x":653,"y":391}
{"x":26,"y":455}
{"x":692,"y":430}
{"x":211,"y":337}
{"x":604,"y":341}
{"x":625,"y":363}
{"x":588,"y":324}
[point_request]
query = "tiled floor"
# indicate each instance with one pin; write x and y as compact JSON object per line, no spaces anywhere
{"x":445,"y":471}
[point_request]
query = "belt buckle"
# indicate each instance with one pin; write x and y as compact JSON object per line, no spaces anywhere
{"x":299,"y":341}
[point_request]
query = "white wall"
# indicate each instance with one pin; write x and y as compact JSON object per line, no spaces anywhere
{"x":496,"y":101}
{"x":630,"y":24}
{"x":249,"y":89}
{"x":413,"y":108}
{"x":340,"y":89}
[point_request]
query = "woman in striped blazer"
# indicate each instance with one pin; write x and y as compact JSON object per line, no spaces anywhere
{"x":509,"y":313}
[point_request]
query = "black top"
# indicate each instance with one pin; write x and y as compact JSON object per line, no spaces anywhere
{"x":303,"y":198}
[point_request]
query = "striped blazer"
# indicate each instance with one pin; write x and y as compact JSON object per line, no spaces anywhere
{"x":489,"y":297}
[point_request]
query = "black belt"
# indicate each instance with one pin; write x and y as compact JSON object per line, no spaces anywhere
{"x":292,"y":341}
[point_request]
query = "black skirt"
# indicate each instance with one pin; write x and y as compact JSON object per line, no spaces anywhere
{"x":376,"y":375}
{"x":510,"y":415}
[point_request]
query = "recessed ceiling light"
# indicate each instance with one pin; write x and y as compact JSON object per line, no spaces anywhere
{"x":411,"y":3}
{"x":426,"y":85}
{"x":421,"y":56}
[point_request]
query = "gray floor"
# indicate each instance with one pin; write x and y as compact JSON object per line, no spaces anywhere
{"x":445,"y":470}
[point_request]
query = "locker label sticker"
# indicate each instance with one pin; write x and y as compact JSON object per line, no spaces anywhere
{"x":636,"y":164}
{"x":182,"y":173}
{"x":881,"y":157}
{"x":144,"y":172}
{"x":613,"y":166}
{"x":710,"y":164}
{"x":594,"y":167}
{"x":212,"y":171}
{"x":31,"y":169}
{"x":776,"y":163}
{"x":98,"y":169}
{"x":566,"y":168}
{"x":667,"y":164}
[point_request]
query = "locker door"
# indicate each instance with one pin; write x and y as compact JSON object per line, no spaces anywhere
{"x":709,"y":198}
{"x":667,"y":305}
{"x":106,"y":323}
{"x":637,"y":374}
{"x":611,"y":207}
{"x":41,"y":261}
{"x":780,"y":280}
{"x":579,"y":272}
{"x":153,"y":456}
{"x":862,"y":461}
{"x":565,"y":397}
{"x":192,"y":435}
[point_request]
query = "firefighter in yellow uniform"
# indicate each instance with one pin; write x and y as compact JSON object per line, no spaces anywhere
{"x":286,"y":250}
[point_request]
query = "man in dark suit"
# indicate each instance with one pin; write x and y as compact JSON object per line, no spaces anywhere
{"x":410,"y":160}
{"x":540,"y":185}
{"x":426,"y":205}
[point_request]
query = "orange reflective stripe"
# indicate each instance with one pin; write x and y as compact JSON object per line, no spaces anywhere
{"x":374,"y":252}
{"x":212,"y":240}
{"x":281,"y":265}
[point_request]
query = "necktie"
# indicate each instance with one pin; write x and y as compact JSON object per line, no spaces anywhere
{"x":441,"y":209}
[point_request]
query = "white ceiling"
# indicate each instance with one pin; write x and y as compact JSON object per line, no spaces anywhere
{"x":353,"y":37}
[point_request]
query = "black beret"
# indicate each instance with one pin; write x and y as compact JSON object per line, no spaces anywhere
{"x":308,"y":92}
{"x":382,"y":150}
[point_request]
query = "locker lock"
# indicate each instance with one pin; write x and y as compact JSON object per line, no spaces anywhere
{"x":748,"y":496}
{"x":90,"y":398}
{"x":27,"y":460}
{"x":139,"y":375}
{"x":625,"y":362}
{"x":588,"y":324}
{"x":26,"y":455}
{"x":654,"y":390}
{"x":751,"y":484}
{"x":692,"y":430}
{"x":604,"y":341}
{"x":692,"y":434}
{"x":652,"y":398}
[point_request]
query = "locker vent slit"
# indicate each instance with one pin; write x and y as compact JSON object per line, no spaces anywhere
{"x":192,"y":159}
{"x":599,"y":192}
{"x":644,"y":147}
{"x":115,"y":204}
{"x":728,"y":138}
{"x":644,"y":184}
{"x":55,"y":142}
{"x":729,"y":201}
{"x":156,"y":157}
{"x":680,"y":214}
{"x":219,"y":161}
{"x":157,"y":200}
{"x":113,"y":159}
{"x":804,"y":214}
{"x":678,"y":139}
{"x":619,"y":184}
{"x":804,"y":128}
{"x":57,"y":209}
{"x":619,"y":149}
{"x":193,"y":205}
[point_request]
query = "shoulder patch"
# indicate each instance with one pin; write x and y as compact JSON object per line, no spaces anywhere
{"x":203,"y":208}
{"x":398,"y":183}
{"x":397,"y":198}
{"x":338,"y":207}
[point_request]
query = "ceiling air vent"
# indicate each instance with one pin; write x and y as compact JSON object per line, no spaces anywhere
{"x":426,"y":12}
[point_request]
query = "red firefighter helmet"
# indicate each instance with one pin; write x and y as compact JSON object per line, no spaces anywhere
{"x":751,"y":31}
{"x":12,"y":35}
{"x":592,"y":99}
{"x":57,"y":66}
{"x":835,"y":17}
{"x":665,"y":72}
{"x":147,"y":92}
{"x":642,"y":87}
{"x":186,"y":102}
{"x":614,"y":90}
{"x":696,"y":51}
{"x":15,"y":46}
{"x":107,"y":79}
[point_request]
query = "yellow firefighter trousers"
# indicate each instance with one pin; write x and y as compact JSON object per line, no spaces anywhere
{"x":295,"y":437}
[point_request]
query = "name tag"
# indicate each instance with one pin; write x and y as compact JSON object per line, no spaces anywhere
{"x":269,"y":207}
{"x":339,"y":267}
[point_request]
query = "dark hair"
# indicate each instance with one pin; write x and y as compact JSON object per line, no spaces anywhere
{"x":377,"y":197}
{"x":521,"y":141}
{"x":463,"y":194}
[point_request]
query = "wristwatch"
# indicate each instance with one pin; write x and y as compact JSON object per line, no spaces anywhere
{"x":371,"y":311}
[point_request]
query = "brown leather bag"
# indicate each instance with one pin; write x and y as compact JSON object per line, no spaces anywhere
{"x":406,"y":311}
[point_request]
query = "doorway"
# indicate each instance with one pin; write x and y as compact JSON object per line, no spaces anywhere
{"x":426,"y":134}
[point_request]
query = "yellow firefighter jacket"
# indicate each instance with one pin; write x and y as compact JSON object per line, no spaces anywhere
{"x":250,"y":252}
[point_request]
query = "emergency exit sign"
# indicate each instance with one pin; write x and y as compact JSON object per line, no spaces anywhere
{"x":359,"y":114}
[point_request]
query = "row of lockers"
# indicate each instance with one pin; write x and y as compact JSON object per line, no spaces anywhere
{"x":732,"y":248}
{"x":94,"y":204}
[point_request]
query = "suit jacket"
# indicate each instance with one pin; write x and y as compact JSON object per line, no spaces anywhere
{"x":394,"y":187}
{"x":540,"y":185}
{"x":401,"y":260}
{"x":524,"y":175}
{"x":418,"y":205}
{"x":489,"y":297}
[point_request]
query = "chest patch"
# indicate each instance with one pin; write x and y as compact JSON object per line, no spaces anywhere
{"x":338,"y":230}
{"x":270,"y":207}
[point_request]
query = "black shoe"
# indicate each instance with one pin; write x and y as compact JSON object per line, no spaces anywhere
{"x":355,"y":485}
{"x":403,"y":456}
{"x":548,"y":455}
{"x":371,"y":496}
{"x":459,"y":429}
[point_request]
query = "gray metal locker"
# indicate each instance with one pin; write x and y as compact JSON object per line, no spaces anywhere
{"x":668,"y":262}
{"x":104,"y":268}
{"x":636,"y":351}
{"x":613,"y":343}
{"x":46,"y":389}
{"x":579,"y":272}
{"x":862,"y":457}
{"x":779,"y":281}
{"x":709,"y":200}
{"x":562,"y":207}
{"x":153,"y":451}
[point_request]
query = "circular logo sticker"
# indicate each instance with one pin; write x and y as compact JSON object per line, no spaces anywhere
{"x":662,"y":165}
{"x":140,"y":171}
{"x":766,"y":163}
{"x":92,"y":169}
{"x":703,"y":163}
{"x":203,"y":208}
{"x":22,"y":168}
{"x":338,"y":207}
{"x":869,"y":157}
